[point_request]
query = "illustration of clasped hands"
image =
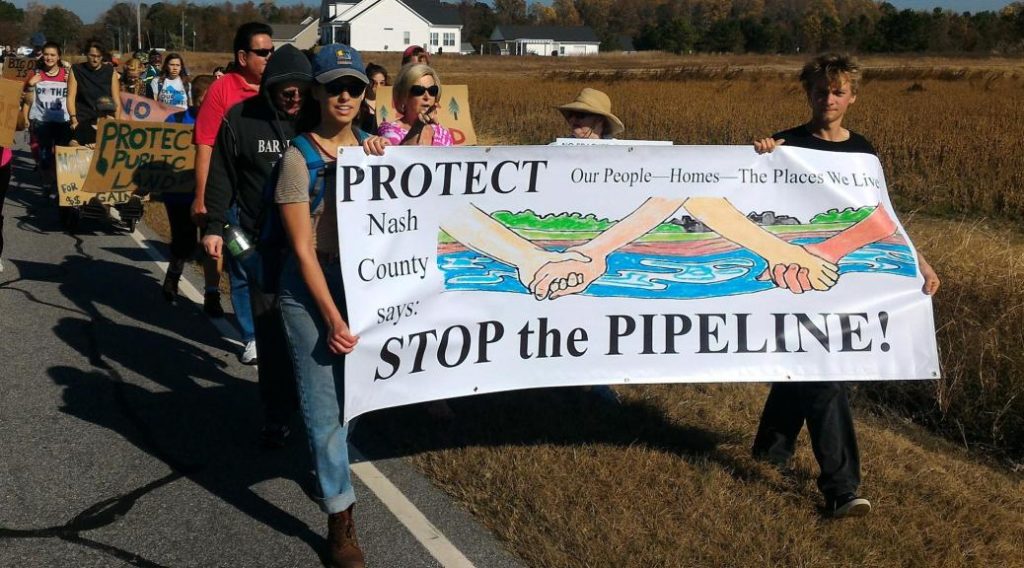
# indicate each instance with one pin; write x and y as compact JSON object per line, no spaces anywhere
{"x":553,"y":274}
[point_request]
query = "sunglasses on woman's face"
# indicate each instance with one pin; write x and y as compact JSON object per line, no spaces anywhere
{"x":354,"y":88}
{"x":418,"y":90}
{"x":291,"y":94}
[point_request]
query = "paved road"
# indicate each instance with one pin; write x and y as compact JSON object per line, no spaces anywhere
{"x":127,"y":426}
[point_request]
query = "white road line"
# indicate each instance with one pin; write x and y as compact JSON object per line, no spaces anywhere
{"x":425,"y":532}
{"x":400,"y":506}
{"x":226,"y":330}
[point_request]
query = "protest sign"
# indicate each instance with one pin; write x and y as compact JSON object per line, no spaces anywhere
{"x":142,"y":156}
{"x":608,"y":142}
{"x":452,"y":112}
{"x":72,"y":167}
{"x":18,"y":68}
{"x":478,"y":270}
{"x":10,"y":106}
{"x":139,"y":108}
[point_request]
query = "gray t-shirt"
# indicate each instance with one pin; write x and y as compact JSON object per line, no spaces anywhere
{"x":293,"y":187}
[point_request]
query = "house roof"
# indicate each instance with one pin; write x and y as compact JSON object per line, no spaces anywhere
{"x":285,"y":32}
{"x":582,"y":34}
{"x":434,"y":12}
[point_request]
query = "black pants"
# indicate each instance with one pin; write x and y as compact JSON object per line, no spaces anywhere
{"x":5,"y":182}
{"x":276,"y":375}
{"x":184,"y":233}
{"x":826,"y":409}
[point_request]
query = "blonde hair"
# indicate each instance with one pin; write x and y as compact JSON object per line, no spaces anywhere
{"x":409,"y":76}
{"x":834,"y":67}
{"x":132,"y":63}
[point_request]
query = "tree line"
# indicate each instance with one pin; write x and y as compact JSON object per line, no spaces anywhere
{"x":172,"y":25}
{"x":679,"y":26}
{"x":764,"y":26}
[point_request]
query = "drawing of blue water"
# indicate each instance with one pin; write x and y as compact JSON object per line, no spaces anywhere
{"x":634,"y":275}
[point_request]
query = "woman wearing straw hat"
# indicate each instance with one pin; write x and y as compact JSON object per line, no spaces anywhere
{"x":590,"y":116}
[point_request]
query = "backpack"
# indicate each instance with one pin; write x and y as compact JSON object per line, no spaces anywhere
{"x":272,"y":242}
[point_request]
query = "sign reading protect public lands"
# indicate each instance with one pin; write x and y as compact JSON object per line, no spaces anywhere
{"x":143,"y":157}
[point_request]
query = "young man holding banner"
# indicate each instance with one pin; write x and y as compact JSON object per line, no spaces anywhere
{"x":831,"y":82}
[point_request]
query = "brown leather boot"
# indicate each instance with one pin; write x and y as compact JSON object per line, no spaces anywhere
{"x":342,"y":547}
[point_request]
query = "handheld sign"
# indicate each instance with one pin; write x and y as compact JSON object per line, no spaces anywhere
{"x":144,"y":157}
{"x":10,"y":106}
{"x":72,"y":167}
{"x":452,"y":112}
{"x":136,"y":107}
{"x":18,"y":68}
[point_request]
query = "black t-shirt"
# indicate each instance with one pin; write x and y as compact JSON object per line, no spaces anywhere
{"x":800,"y":137}
{"x":92,"y":84}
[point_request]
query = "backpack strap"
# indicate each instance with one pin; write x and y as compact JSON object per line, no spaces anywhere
{"x":315,"y":164}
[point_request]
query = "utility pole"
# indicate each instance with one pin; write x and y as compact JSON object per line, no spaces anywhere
{"x":183,"y":44}
{"x":138,"y":23}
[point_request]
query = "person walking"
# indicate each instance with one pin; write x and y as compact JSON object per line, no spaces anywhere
{"x":831,"y":83}
{"x":88,"y":82}
{"x":252,"y":46}
{"x":185,"y":235}
{"x":312,"y":295}
{"x":253,"y":137}
{"x":415,"y":95}
{"x":171,"y":87}
{"x":46,"y":110}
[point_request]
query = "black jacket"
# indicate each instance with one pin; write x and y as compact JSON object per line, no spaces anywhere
{"x":251,"y":139}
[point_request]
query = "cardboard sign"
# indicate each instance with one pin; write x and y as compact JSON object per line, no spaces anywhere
{"x":10,"y":106}
{"x":453,"y":112}
{"x":136,"y":107}
{"x":142,"y":156}
{"x":72,"y":167}
{"x":18,"y":68}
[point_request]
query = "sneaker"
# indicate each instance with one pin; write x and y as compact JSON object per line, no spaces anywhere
{"x":274,"y":436}
{"x":211,"y":305}
{"x":849,"y":505}
{"x":248,"y":356}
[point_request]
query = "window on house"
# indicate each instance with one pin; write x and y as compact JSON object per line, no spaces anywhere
{"x":433,"y":38}
{"x":405,"y":38}
{"x":449,"y":39}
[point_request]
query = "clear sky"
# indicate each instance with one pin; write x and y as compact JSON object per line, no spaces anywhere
{"x":88,"y":10}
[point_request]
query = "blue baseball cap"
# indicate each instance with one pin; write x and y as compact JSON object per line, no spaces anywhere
{"x":338,"y":60}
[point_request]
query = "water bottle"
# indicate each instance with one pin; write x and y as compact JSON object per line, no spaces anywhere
{"x":237,"y":242}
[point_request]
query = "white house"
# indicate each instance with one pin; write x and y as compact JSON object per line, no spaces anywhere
{"x":302,"y":35}
{"x":544,"y":40}
{"x":392,"y":25}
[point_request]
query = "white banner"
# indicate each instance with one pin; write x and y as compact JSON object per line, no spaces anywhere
{"x":479,"y":270}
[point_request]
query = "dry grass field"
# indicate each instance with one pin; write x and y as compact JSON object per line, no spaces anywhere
{"x":665,"y":478}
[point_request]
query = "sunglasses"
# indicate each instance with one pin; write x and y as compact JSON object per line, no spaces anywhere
{"x":418,"y":90}
{"x":574,"y":114}
{"x":262,"y":52}
{"x":291,"y":94}
{"x":355,"y":89}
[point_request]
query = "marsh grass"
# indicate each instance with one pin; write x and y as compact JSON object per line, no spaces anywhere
{"x":665,"y":478}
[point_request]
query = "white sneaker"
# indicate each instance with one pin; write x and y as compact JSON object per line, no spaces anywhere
{"x":248,"y":356}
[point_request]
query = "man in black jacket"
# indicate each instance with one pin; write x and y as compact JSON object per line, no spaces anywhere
{"x":252,"y":138}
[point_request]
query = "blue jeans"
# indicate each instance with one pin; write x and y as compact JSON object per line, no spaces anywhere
{"x":320,"y":377}
{"x":240,"y":290}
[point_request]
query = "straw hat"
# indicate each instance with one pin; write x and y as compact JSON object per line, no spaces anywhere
{"x":596,"y":102}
